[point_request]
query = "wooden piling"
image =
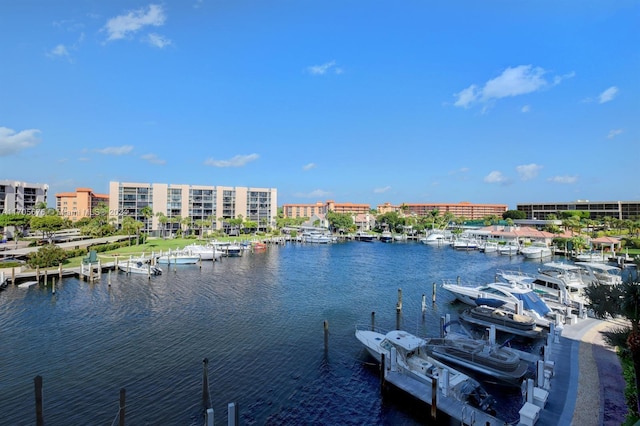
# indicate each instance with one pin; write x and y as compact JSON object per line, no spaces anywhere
{"x":382,"y":371}
{"x":424,"y":304}
{"x":13,"y":275}
{"x":434,"y":398}
{"x":38,"y":389}
{"x":373,"y":321}
{"x":45,"y":278}
{"x":121,"y":412}
{"x":232,"y":414}
{"x":206,"y":399}
{"x":399,"y":304}
{"x":38,"y":273}
{"x":326,"y":335}
{"x":433,"y":294}
{"x":60,"y":271}
{"x":53,"y":286}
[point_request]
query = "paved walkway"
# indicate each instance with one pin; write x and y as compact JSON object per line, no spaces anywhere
{"x":588,"y":387}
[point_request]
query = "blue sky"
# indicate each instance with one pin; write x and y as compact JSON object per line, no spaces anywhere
{"x":354,"y":101}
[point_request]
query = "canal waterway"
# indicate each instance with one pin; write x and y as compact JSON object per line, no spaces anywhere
{"x":258,"y":319}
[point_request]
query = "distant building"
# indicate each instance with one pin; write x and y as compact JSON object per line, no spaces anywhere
{"x":597,"y":209}
{"x":196,"y":202}
{"x":319,"y":208}
{"x":463,"y":209}
{"x":79,"y":204}
{"x":21,"y":197}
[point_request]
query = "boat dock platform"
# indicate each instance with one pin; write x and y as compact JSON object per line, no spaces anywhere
{"x":451,"y":407}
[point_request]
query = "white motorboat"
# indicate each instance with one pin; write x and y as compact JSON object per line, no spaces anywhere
{"x":206,"y":252}
{"x":508,"y":295}
{"x":414,"y":361}
{"x":511,"y":248}
{"x":537,"y":250}
{"x":493,"y":361}
{"x":178,"y":258}
{"x":503,"y":320}
{"x":317,"y":237}
{"x":592,"y":256}
{"x":559,"y":281}
{"x":488,"y":247}
{"x":134,"y":266}
{"x":386,"y":237}
{"x":27,"y":284}
{"x":364,"y":236}
{"x":465,"y":243}
{"x":436,"y":238}
{"x":601,"y":273}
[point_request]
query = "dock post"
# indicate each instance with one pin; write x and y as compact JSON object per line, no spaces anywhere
{"x":540,"y":373}
{"x":434,"y":398}
{"x":445,"y":382}
{"x":447,"y":323}
{"x":458,"y":280}
{"x":492,"y":335}
{"x":442,"y":327}
{"x":424,"y":304}
{"x":60,"y":271}
{"x":383,"y":370}
{"x":373,"y":321}
{"x":326,"y":336}
{"x":53,"y":286}
{"x":38,"y":273}
{"x":208,"y":415}
{"x":13,"y":275}
{"x":433,"y":293}
{"x":45,"y":278}
{"x":206,"y":399}
{"x":149,"y":270}
{"x":399,"y":304}
{"x":99,"y":269}
{"x":552,"y":332}
{"x":109,"y":277}
{"x":530,"y":391}
{"x":200,"y":261}
{"x":39,"y":413}
{"x":121,"y":412}
{"x":232,"y":414}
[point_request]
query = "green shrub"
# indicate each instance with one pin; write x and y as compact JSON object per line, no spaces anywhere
{"x":46,"y":256}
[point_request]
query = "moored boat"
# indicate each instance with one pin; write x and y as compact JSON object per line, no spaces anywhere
{"x":133,"y":266}
{"x":503,"y":320}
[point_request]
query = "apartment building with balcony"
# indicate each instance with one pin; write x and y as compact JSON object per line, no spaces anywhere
{"x":196,"y":202}
{"x":80,"y":204}
{"x":320,"y":208}
{"x":21,"y":197}
{"x":597,"y":209}
{"x":463,"y":209}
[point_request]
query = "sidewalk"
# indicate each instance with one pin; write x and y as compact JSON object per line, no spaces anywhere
{"x":588,"y":387}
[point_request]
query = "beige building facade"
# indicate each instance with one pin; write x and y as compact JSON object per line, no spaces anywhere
{"x":463,"y":209}
{"x":196,"y":202}
{"x":320,"y":208}
{"x":21,"y":197}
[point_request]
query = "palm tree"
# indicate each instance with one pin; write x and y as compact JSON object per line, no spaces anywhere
{"x":186,"y":221}
{"x":162,"y":220}
{"x":147,"y":213}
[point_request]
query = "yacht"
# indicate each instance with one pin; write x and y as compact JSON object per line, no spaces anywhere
{"x":601,"y":273}
{"x":436,"y":238}
{"x":537,"y":250}
{"x":503,"y":320}
{"x":386,"y":237}
{"x":364,"y":236}
{"x":511,"y":248}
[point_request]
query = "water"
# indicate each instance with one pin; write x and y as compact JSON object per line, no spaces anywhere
{"x":259,"y":321}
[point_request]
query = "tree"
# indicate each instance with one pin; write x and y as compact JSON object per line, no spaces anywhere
{"x":48,"y":225}
{"x":46,"y":256}
{"x":16,"y":220}
{"x":162,"y":220}
{"x":341,"y":222}
{"x":129,"y":227}
{"x":147,"y":213}
{"x":514,"y":214}
{"x":187,"y":222}
{"x":622,"y":300}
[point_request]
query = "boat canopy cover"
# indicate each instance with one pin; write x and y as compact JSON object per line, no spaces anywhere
{"x":530,"y":300}
{"x":406,"y":341}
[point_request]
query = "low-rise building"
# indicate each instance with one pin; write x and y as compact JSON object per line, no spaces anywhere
{"x":21,"y":197}
{"x":80,"y":204}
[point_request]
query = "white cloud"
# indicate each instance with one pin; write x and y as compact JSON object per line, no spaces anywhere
{"x":324,"y":68}
{"x":528,"y":171}
{"x":495,"y":177}
{"x":153,"y":159}
{"x":514,"y":81}
{"x":60,"y":51}
{"x":12,"y":142}
{"x":525,"y":108}
{"x":122,"y":25}
{"x":309,"y":166}
{"x":317,"y":194}
{"x":237,"y":161}
{"x":563,"y":179}
{"x":608,"y":95}
{"x":116,"y":150}
{"x":613,"y":133}
{"x":381,"y":190}
{"x":158,"y":41}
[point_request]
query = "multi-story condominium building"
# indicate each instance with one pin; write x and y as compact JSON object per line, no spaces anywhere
{"x":79,"y":204}
{"x":597,"y":209}
{"x":176,"y":202}
{"x":463,"y":209}
{"x":21,"y":197}
{"x":319,"y":208}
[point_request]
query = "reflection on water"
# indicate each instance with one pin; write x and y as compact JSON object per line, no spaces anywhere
{"x":257,"y":318}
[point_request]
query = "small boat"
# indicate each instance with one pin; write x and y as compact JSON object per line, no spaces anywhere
{"x":436,"y":238}
{"x":592,"y":256}
{"x":139,"y":267}
{"x":511,"y":248}
{"x":413,"y":360}
{"x":386,"y":237}
{"x":317,"y":237}
{"x":206,"y":252}
{"x":537,"y":250}
{"x":479,"y":356}
{"x":363,"y":236}
{"x":27,"y":284}
{"x":465,"y":243}
{"x":503,"y":320}
{"x":488,"y":247}
{"x":178,"y":258}
{"x":600,"y":273}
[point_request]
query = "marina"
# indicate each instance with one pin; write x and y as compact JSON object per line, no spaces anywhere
{"x":257,"y":318}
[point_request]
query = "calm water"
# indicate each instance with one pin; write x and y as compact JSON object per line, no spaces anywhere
{"x":259,"y":321}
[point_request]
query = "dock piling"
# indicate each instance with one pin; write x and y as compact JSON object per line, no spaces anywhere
{"x":373,"y":321}
{"x":53,"y":286}
{"x":433,"y":295}
{"x":208,"y":415}
{"x":326,"y":335}
{"x":121,"y":412}
{"x":399,"y":304}
{"x":434,"y":398}
{"x":232,"y":414}
{"x":424,"y":304}
{"x":206,"y":399}
{"x":38,"y":389}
